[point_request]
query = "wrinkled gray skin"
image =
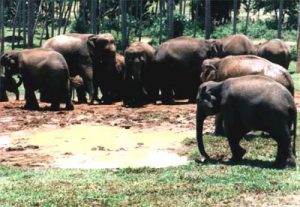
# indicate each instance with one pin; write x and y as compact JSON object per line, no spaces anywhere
{"x":83,"y":52}
{"x":217,"y":69}
{"x":41,"y":69}
{"x":250,"y":103}
{"x":108,"y":68}
{"x":10,"y":85}
{"x":276,"y":51}
{"x":138,"y":74}
{"x":237,"y":44}
{"x":177,"y":64}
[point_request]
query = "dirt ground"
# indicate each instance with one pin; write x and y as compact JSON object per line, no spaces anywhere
{"x":96,"y":136}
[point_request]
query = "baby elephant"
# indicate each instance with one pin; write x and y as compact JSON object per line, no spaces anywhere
{"x":250,"y":103}
{"x":41,"y":69}
{"x":11,"y":85}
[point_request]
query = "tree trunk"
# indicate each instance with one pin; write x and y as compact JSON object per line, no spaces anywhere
{"x":280,"y":19}
{"x":298,"y":40}
{"x":24,"y":23}
{"x":247,"y":17}
{"x":141,"y":20}
{"x":170,"y":19}
{"x":37,"y":16}
{"x":93,"y":16}
{"x":123,"y":23}
{"x":61,"y":5}
{"x":161,"y":2}
{"x":207,"y":18}
{"x":31,"y":8}
{"x":2,"y":26}
{"x":234,"y":15}
{"x":15,"y":24}
{"x":52,"y":17}
{"x":67,"y":16}
{"x":195,"y":16}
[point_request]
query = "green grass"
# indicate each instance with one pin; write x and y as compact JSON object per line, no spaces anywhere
{"x":194,"y":184}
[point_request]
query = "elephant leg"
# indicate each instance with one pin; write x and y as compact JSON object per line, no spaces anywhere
{"x":167,"y":94}
{"x":31,"y":101}
{"x":68,"y":94}
{"x":81,"y":96}
{"x":17,"y":94}
{"x":285,"y":156}
{"x":55,"y":106}
{"x":219,"y":129}
{"x":237,"y":151}
{"x":106,"y":96}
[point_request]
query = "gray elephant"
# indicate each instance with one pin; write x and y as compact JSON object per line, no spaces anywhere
{"x":82,"y":53}
{"x":237,"y":44}
{"x":108,"y":68}
{"x":139,"y":76}
{"x":217,"y":69}
{"x":177,"y":65}
{"x":44,"y":70}
{"x":250,"y":103}
{"x":276,"y":51}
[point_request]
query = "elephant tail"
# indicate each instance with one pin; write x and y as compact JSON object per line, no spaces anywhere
{"x":294,"y":134}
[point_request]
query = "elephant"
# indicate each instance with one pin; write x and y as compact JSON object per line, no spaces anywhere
{"x":138,"y":75}
{"x":276,"y":51}
{"x":177,"y":65}
{"x":83,"y":52}
{"x":108,"y":68}
{"x":219,"y":69}
{"x":11,"y":85}
{"x":237,"y":44}
{"x":248,"y":103}
{"x":41,"y":69}
{"x":3,"y":95}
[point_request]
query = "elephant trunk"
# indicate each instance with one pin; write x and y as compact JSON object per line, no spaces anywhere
{"x":200,"y":117}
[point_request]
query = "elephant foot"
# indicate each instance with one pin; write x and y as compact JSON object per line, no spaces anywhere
{"x":289,"y":163}
{"x":219,"y":133}
{"x":105,"y":101}
{"x":69,"y":107}
{"x":54,"y":107}
{"x":31,"y":106}
{"x":238,"y":155}
{"x":168,"y":101}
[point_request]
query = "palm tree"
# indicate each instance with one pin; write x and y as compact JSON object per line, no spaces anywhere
{"x":234,"y":15}
{"x":207,"y":18}
{"x":298,"y":40}
{"x":30,"y":22}
{"x":123,"y":23}
{"x":280,"y":19}
{"x":170,"y":19}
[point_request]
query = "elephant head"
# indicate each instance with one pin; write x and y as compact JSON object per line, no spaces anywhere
{"x":209,"y":69}
{"x":135,"y":59}
{"x":208,"y":103}
{"x":11,"y":62}
{"x":216,"y":48}
{"x":100,"y":46}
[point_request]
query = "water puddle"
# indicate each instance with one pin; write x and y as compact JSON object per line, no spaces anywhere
{"x":85,"y":146}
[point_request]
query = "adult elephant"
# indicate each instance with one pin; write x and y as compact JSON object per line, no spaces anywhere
{"x":250,"y":103}
{"x":12,"y":86}
{"x":217,"y":69}
{"x":41,"y":69}
{"x":82,"y":53}
{"x":108,"y":68}
{"x":178,"y":65}
{"x":276,"y":51}
{"x":139,"y":75}
{"x":237,"y":44}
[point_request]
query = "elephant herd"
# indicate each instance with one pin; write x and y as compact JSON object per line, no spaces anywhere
{"x":262,"y":99}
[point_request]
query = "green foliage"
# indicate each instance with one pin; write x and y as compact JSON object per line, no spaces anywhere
{"x":79,"y":26}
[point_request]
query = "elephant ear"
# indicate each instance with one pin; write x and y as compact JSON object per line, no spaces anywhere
{"x":91,"y":43}
{"x":209,"y":73}
{"x":206,"y":98}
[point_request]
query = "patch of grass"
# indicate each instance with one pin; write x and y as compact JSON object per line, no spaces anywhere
{"x":201,"y":184}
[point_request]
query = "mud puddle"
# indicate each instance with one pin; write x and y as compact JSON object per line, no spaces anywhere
{"x":91,"y":146}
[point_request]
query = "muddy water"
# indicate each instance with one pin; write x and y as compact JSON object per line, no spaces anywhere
{"x":86,"y":146}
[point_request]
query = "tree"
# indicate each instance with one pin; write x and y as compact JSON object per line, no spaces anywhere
{"x":280,"y":19}
{"x":170,"y":19}
{"x":2,"y":26}
{"x":123,"y":24}
{"x":248,"y":6}
{"x":93,"y":16}
{"x":234,"y":15}
{"x":30,"y":22}
{"x":298,"y":40}
{"x":207,"y":18}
